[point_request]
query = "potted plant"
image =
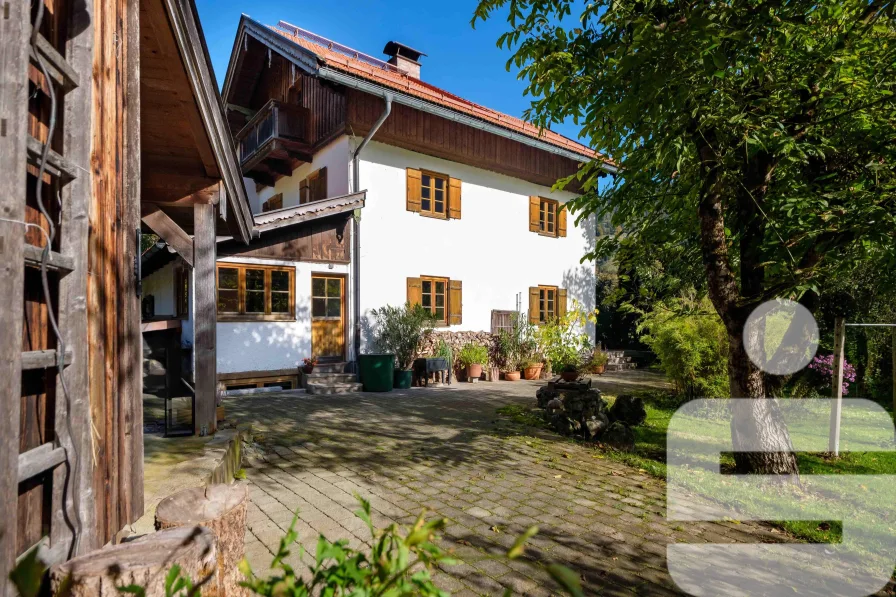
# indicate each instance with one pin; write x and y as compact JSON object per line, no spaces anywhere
{"x":562,"y":341}
{"x":598,"y":362}
{"x":568,"y":368}
{"x":308,"y":365}
{"x":531,"y":368}
{"x":472,"y":357}
{"x":398,"y":330}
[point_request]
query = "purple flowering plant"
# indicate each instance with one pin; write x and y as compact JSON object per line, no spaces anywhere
{"x":824,"y":367}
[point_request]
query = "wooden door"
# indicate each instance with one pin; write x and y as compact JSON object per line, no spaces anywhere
{"x":328,"y":316}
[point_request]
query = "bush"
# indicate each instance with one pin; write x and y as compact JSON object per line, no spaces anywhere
{"x":562,"y":339}
{"x":398,"y":330}
{"x":473,"y":354}
{"x":688,"y":337}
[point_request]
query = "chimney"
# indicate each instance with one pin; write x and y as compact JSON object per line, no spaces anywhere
{"x":405,"y":58}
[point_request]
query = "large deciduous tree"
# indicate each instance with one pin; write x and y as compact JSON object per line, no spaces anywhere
{"x":764,"y":132}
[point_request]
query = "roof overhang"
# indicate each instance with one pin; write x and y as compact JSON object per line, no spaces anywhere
{"x":308,"y":61}
{"x":289,"y":216}
{"x":190,"y":40}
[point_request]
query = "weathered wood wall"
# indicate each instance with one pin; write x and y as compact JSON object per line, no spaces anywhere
{"x":322,"y":241}
{"x":431,"y":135}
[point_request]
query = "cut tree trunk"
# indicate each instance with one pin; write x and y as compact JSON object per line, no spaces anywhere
{"x":144,"y":562}
{"x":222,"y":509}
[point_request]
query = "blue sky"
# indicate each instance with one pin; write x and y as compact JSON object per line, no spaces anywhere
{"x":460,"y":59}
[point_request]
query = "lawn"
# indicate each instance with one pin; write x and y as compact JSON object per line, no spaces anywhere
{"x":804,"y":418}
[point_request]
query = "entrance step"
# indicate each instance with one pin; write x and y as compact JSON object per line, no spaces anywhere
{"x":331,"y":389}
{"x":328,"y":378}
{"x":329,"y":368}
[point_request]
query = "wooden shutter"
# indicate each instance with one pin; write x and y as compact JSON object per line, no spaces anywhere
{"x":415,"y":291}
{"x":455,"y":302}
{"x":534,"y":206}
{"x":304,"y":192}
{"x":414,"y":182}
{"x":561,"y":221}
{"x":561,"y":302}
{"x":533,"y":304}
{"x":319,"y":192}
{"x":454,"y":188}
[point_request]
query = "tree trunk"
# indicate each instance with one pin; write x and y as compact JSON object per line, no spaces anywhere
{"x":144,"y":562}
{"x":221,"y":509}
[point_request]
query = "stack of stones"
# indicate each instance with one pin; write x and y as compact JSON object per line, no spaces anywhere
{"x":576,"y":409}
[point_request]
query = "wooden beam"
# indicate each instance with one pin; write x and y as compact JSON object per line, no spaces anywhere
{"x":278,"y":167}
{"x":205,"y":318}
{"x":262,"y":178}
{"x":160,"y":27}
{"x":14,"y":29}
{"x":39,"y":460}
{"x":171,"y":233}
{"x":245,"y":111}
{"x":162,"y":186}
{"x":43,"y":359}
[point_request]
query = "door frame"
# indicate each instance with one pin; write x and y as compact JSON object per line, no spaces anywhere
{"x":344,"y":278}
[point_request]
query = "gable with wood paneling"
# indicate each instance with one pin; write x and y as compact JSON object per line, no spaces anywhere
{"x":327,"y":240}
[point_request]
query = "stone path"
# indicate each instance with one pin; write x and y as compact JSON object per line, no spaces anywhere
{"x":447,"y":450}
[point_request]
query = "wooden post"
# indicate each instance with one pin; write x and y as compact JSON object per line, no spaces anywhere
{"x":15,"y":27}
{"x":893,"y":331}
{"x":205,"y":316}
{"x":837,"y":384}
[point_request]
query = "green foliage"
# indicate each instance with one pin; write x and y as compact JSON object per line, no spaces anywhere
{"x":27,"y":575}
{"x":516,"y":347}
{"x":398,"y":330}
{"x":443,"y":351}
{"x":563,"y":341}
{"x":691,"y":343}
{"x":240,"y":474}
{"x":176,"y":585}
{"x":473,"y":354}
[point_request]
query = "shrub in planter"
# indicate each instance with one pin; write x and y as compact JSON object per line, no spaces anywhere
{"x":562,"y":340}
{"x":398,"y":330}
{"x":531,"y":368}
{"x":598,"y":362}
{"x":308,"y":364}
{"x":473,"y":357}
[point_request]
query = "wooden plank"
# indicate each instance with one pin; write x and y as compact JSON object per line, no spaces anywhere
{"x":39,"y":460}
{"x":56,"y":262}
{"x":158,"y":326}
{"x":837,"y":385}
{"x":171,"y":233}
{"x":60,"y":70}
{"x":205,"y":317}
{"x":14,"y":30}
{"x":130,"y":336}
{"x":56,"y":164}
{"x":43,"y":359}
{"x":73,"y":494}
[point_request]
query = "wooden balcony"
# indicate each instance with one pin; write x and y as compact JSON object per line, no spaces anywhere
{"x":275,"y":142}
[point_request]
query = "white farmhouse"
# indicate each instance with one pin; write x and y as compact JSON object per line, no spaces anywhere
{"x":369,"y":187}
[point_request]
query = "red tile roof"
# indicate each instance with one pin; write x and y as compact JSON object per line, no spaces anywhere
{"x":376,"y":71}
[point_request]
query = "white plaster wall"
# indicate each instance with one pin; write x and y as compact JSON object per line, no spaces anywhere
{"x":334,"y":156}
{"x":160,"y":284}
{"x":490,"y":248}
{"x":271,"y":345}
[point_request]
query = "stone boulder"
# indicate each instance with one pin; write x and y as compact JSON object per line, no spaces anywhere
{"x":544,"y":395}
{"x":596,"y":425}
{"x":629,"y":410}
{"x":619,"y":436}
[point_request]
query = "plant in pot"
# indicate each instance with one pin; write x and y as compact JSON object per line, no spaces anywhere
{"x":562,"y":340}
{"x":598,"y":362}
{"x":308,"y":365}
{"x":472,"y":357}
{"x":398,"y":330}
{"x":507,"y":350}
{"x":531,"y":366}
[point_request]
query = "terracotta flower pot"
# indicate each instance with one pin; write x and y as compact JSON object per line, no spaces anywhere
{"x":600,"y":370}
{"x":511,"y":375}
{"x":474,"y":371}
{"x":307,"y":369}
{"x":532,"y":372}
{"x":569,"y":375}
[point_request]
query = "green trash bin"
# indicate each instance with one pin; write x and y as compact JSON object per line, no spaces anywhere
{"x":377,"y":371}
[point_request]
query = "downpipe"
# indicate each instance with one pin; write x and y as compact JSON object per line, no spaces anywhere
{"x":356,"y":224}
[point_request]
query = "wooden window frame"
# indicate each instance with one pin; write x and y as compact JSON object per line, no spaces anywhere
{"x":502,"y":313}
{"x":273,"y":203}
{"x":543,"y":314}
{"x":444,"y":322}
{"x":182,"y":291}
{"x":343,"y":284}
{"x":446,"y":190}
{"x":312,"y":183}
{"x":545,"y":207}
{"x":241,"y":315}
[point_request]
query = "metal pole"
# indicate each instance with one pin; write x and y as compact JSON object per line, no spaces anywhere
{"x":837,"y":384}
{"x":894,"y":374}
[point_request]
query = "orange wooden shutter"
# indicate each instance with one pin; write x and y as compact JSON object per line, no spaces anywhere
{"x":561,"y":220}
{"x":561,"y":302}
{"x":454,"y":190}
{"x":414,"y":183}
{"x":455,"y":302}
{"x":415,"y":291}
{"x":321,"y":188}
{"x":304,"y":192}
{"x":533,"y":304}
{"x":534,"y":206}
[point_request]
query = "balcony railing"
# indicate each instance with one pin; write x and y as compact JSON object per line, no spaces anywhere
{"x":275,"y":120}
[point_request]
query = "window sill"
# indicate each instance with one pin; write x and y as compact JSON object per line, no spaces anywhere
{"x":434,"y":216}
{"x":255,"y":318}
{"x":547,"y":235}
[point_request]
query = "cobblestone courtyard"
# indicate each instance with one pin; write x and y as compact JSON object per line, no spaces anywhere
{"x":447,"y":450}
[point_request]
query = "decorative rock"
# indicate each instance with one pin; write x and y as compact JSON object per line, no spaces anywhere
{"x":629,"y":410}
{"x":620,"y":437}
{"x":544,"y":395}
{"x":596,"y":425}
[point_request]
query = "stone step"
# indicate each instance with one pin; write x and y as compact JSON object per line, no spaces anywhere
{"x":329,"y":368}
{"x":333,"y":388}
{"x":327,"y":378}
